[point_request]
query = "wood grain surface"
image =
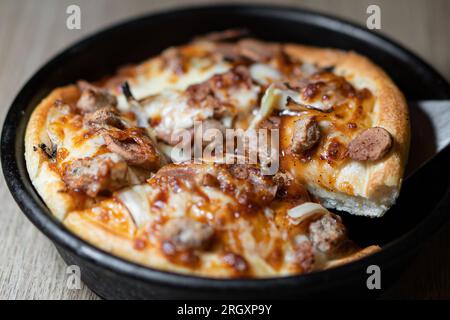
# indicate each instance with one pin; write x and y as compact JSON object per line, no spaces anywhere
{"x":33,"y":31}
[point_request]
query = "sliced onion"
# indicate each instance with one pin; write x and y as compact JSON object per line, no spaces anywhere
{"x":305,"y":211}
{"x":268,"y":103}
{"x":136,"y":199}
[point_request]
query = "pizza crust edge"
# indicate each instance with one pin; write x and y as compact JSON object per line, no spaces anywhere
{"x":45,"y":180}
{"x":123,"y":247}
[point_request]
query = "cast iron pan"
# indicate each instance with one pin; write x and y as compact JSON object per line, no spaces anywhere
{"x":421,"y":209}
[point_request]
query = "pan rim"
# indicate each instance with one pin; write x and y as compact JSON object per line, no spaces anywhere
{"x":64,"y":238}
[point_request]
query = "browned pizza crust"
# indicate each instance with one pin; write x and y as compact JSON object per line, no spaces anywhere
{"x":125,"y":247}
{"x":47,"y":182}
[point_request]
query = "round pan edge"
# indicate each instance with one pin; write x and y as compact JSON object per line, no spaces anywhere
{"x":63,"y":237}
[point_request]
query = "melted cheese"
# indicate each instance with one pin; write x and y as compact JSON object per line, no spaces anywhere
{"x":172,"y":111}
{"x":67,"y":132}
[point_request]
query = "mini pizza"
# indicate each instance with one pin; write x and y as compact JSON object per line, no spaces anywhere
{"x":106,"y":157}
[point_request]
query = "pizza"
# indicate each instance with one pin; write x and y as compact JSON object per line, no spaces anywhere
{"x":221,"y":157}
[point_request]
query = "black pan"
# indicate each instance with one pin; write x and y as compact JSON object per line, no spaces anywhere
{"x":421,"y":209}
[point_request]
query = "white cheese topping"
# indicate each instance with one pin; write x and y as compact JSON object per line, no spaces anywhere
{"x":305,"y":211}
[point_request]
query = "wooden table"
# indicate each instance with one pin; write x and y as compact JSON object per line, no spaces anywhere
{"x":33,"y":31}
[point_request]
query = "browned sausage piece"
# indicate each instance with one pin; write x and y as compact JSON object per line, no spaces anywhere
{"x":93,"y":98}
{"x":253,"y":187}
{"x":209,"y":93}
{"x":306,"y":135}
{"x":102,"y":118}
{"x":327,"y":233}
{"x":93,"y":175}
{"x":198,"y":92}
{"x":371,"y":144}
{"x":187,"y":234}
{"x":201,"y":95}
{"x":135,"y":147}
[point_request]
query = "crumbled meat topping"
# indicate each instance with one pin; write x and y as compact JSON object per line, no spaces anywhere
{"x":202,"y":95}
{"x":135,"y":147}
{"x":104,"y":118}
{"x":210,"y":93}
{"x":239,"y":76}
{"x":244,"y":182}
{"x":254,"y":188}
{"x":306,"y":135}
{"x":93,"y":175}
{"x":93,"y":98}
{"x":327,"y":233}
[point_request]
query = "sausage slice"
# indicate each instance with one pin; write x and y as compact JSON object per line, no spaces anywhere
{"x":371,"y":144}
{"x":306,"y":135}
